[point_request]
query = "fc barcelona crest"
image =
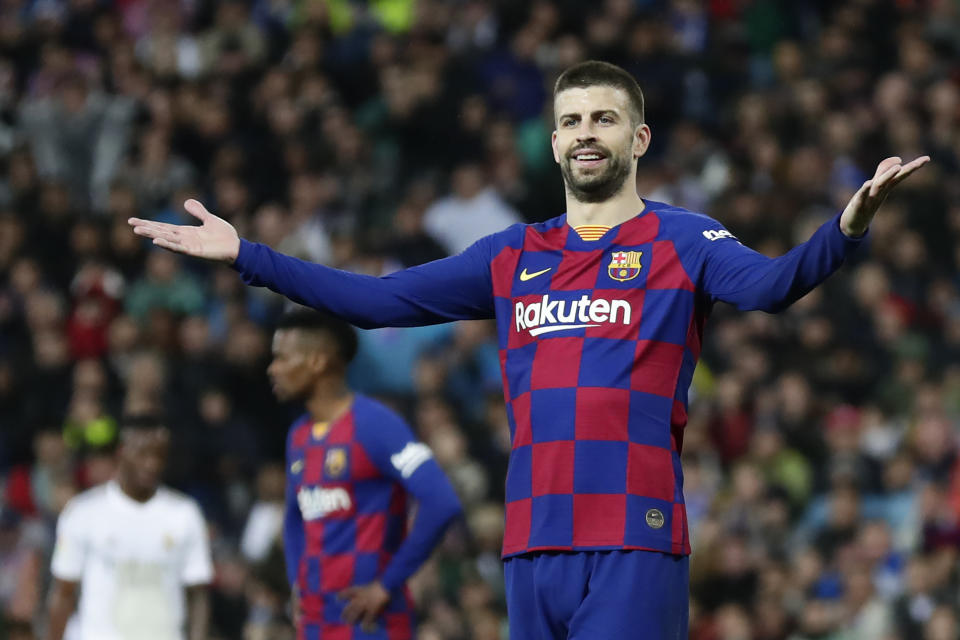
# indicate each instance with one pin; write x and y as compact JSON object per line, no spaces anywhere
{"x":335,"y":462}
{"x":624,"y":265}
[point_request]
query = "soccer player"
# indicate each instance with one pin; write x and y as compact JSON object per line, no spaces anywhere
{"x":352,"y":467}
{"x":138,"y":552}
{"x":600,"y":314}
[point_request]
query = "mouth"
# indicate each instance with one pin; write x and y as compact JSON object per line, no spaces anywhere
{"x":588,"y":158}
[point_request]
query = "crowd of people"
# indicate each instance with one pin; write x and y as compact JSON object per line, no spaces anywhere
{"x":821,"y":467}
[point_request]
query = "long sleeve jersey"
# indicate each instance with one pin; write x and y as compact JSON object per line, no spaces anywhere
{"x":598,"y":343}
{"x":349,"y":485}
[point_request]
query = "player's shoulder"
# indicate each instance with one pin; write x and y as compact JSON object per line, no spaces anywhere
{"x":368,"y":412}
{"x":687,"y":228}
{"x":377,"y":426}
{"x":511,"y":237}
{"x":175,"y":499}
{"x":514,"y":235}
{"x":677,"y":219}
{"x":86,"y":501}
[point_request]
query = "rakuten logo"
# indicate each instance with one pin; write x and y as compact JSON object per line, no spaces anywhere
{"x":549,"y":315}
{"x":316,"y":502}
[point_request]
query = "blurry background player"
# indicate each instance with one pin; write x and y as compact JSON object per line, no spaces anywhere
{"x":137,"y":551}
{"x":600,"y":315}
{"x":352,"y":468}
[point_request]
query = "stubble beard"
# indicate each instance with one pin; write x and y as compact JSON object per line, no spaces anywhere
{"x":597,"y":187}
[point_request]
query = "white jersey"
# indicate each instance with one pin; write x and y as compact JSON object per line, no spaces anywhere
{"x":132,"y":560}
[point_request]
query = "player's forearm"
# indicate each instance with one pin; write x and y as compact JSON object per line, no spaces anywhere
{"x":198,"y":612}
{"x":294,"y":539}
{"x":442,"y":291}
{"x":772,"y":284}
{"x":63,"y":600}
{"x":438,"y":507}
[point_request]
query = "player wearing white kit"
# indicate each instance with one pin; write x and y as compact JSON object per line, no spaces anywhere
{"x":137,"y":551}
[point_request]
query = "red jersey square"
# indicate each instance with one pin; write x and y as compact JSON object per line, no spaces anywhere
{"x":314,"y":537}
{"x":657,"y":367}
{"x":517,"y":529}
{"x":552,"y":467}
{"x":520,"y":406}
{"x":313,"y":464}
{"x":556,"y":363}
{"x":371,"y":531}
{"x":577,"y":270}
{"x":502,"y":270}
{"x":666,"y":270}
{"x":399,"y":626}
{"x":599,"y":519}
{"x":341,"y":431}
{"x":336,"y":571}
{"x":361,"y":466}
{"x":523,"y":318}
{"x":335,"y":632}
{"x":650,"y":472}
{"x":639,"y":230}
{"x":602,"y":414}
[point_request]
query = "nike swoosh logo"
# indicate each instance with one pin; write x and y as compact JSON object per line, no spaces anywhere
{"x":524,"y":276}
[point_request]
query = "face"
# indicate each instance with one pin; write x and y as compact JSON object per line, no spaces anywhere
{"x":295,"y":367}
{"x":596,"y":143}
{"x":143,"y":457}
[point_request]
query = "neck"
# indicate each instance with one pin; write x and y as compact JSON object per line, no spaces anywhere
{"x":624,"y":205}
{"x":330,"y":400}
{"x":132,"y":491}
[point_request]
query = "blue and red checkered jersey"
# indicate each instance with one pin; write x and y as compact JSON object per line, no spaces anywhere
{"x":598,"y":343}
{"x":349,"y":485}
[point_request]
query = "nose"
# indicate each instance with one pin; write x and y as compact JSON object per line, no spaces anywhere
{"x":585,"y":132}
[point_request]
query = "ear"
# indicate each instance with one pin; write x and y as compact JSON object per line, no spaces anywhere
{"x":641,"y":141}
{"x":318,"y":361}
{"x":553,"y":144}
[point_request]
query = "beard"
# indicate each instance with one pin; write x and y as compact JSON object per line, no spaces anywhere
{"x":596,"y":186}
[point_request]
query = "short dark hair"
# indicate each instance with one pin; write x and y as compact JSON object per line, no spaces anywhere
{"x":142,"y":422}
{"x":593,"y":73}
{"x":340,"y":331}
{"x":133,"y":425}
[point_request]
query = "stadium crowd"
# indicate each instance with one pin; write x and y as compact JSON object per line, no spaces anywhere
{"x":821,"y":463}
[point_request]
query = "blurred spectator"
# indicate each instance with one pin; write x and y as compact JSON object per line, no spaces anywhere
{"x":471,"y":211}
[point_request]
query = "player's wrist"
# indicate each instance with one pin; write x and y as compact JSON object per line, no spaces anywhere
{"x":852,"y":228}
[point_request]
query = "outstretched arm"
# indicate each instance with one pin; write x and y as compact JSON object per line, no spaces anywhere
{"x":736,"y":274}
{"x":455,"y":288}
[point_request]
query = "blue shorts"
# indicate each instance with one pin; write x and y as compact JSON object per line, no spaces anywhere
{"x":598,"y":595}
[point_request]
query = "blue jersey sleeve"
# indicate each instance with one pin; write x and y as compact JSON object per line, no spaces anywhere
{"x":398,"y":455}
{"x":294,"y":538}
{"x":726,"y":270}
{"x":455,"y":288}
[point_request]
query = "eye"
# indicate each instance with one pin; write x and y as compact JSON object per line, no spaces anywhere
{"x":606,"y":120}
{"x":568,"y":122}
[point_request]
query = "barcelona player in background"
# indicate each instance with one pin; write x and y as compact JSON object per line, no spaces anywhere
{"x":352,"y":468}
{"x":600,"y":315}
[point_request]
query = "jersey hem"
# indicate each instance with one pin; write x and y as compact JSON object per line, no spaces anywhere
{"x":674,"y":549}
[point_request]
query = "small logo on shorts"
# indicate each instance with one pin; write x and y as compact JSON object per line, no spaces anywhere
{"x":654,"y":518}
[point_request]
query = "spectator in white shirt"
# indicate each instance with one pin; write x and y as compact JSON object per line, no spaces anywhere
{"x":134,"y":549}
{"x":473,"y":210}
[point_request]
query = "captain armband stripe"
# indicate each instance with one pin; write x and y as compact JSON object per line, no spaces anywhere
{"x":410,"y":458}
